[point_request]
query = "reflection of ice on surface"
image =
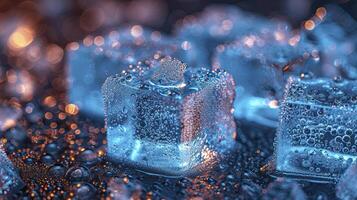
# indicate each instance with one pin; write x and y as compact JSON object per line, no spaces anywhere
{"x":317,"y":135}
{"x":99,"y":57}
{"x":282,"y":189}
{"x":347,"y":185}
{"x":260,"y":64}
{"x":167,"y":122}
{"x":219,"y":25}
{"x":9,"y":180}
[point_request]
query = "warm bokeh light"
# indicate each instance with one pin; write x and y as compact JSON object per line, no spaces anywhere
{"x":20,"y":38}
{"x":309,"y":25}
{"x":72,"y":109}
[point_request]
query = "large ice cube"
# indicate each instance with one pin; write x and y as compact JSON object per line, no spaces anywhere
{"x":317,"y":134}
{"x":260,"y":64}
{"x":163,"y":117}
{"x":9,"y":180}
{"x":347,"y":185}
{"x":97,"y":58}
{"x":219,"y":24}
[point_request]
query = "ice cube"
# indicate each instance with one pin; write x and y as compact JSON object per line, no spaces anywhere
{"x":317,"y":134}
{"x":10,"y":181}
{"x":347,"y":185}
{"x":260,"y":64}
{"x":282,"y":189}
{"x":97,"y":58}
{"x":165,"y":118}
{"x":335,"y":33}
{"x":218,"y":25}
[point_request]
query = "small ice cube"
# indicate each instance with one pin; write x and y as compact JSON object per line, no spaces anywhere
{"x":179,"y":125}
{"x":317,"y":134}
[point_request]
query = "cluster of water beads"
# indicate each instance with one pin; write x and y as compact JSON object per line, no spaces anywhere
{"x":317,"y":128}
{"x":9,"y":179}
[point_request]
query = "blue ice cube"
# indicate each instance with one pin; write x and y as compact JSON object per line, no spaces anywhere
{"x":165,"y":118}
{"x":218,"y":25}
{"x":260,"y":64}
{"x":317,"y":134}
{"x":10,"y":181}
{"x":347,"y":185}
{"x":99,"y":57}
{"x":335,"y":34}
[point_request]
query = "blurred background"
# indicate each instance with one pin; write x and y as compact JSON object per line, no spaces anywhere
{"x":34,"y":35}
{"x":34,"y":38}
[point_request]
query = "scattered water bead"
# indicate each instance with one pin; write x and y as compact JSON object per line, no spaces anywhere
{"x":347,"y":185}
{"x":282,"y":189}
{"x":92,"y":63}
{"x":317,"y":132}
{"x":178,"y":126}
{"x":218,"y":25}
{"x":17,"y":137}
{"x":85,"y":191}
{"x":78,"y":174}
{"x":335,"y":34}
{"x":10,"y":182}
{"x":260,"y":64}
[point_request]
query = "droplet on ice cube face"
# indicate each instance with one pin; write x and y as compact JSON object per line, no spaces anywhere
{"x":177,"y":126}
{"x":317,"y":134}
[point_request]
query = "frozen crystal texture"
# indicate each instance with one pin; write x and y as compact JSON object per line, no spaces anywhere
{"x":9,"y":180}
{"x":97,"y":58}
{"x":317,"y":134}
{"x":165,"y":118}
{"x":218,"y":25}
{"x":336,"y":36}
{"x":260,"y":64}
{"x":347,"y":185}
{"x":282,"y":189}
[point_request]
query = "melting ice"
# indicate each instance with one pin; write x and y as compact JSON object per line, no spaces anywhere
{"x":164,"y":117}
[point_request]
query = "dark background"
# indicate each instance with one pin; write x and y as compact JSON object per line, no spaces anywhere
{"x":54,"y":24}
